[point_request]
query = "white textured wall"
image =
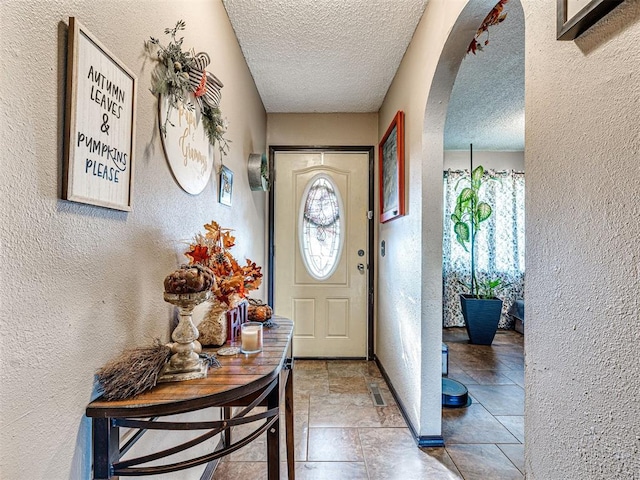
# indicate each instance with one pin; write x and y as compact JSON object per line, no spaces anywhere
{"x":582,"y":104}
{"x":81,"y":282}
{"x":582,"y":345}
{"x":322,"y":129}
{"x":410,"y":275}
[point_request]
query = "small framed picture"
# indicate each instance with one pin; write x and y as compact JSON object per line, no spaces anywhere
{"x":576,"y":16}
{"x":391,"y":170}
{"x":226,"y":186}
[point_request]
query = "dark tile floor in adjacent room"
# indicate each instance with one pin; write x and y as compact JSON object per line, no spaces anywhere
{"x":341,"y":435}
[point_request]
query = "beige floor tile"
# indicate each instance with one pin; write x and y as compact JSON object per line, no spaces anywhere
{"x":515,"y":453}
{"x":483,"y":462}
{"x":331,"y":471}
{"x":300,"y":436}
{"x":334,"y":445}
{"x":373,"y":370}
{"x":246,"y":470}
{"x":310,"y":382}
{"x":489,"y":377}
{"x":391,"y":453}
{"x":315,"y":365}
{"x":227,"y":470}
{"x":473,"y":424}
{"x":517,"y":376}
{"x":335,"y":399}
{"x":511,"y":363}
{"x":347,"y":385}
{"x":302,"y":375}
{"x":441,"y":455}
{"x":515,"y":424}
{"x":355,"y":416}
{"x":500,"y":399}
{"x":256,"y":451}
{"x":348,"y":368}
{"x":481,"y":362}
{"x":300,"y":402}
{"x":340,"y":434}
{"x":458,"y":373}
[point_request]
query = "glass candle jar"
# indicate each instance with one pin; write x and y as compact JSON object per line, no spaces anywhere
{"x":251,"y":337}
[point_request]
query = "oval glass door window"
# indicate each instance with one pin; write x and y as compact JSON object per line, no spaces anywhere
{"x":321,"y":227}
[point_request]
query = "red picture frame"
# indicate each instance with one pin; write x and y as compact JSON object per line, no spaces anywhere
{"x":391,"y":170}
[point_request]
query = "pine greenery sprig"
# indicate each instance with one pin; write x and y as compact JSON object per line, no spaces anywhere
{"x":215,"y":127}
{"x":170,"y":79}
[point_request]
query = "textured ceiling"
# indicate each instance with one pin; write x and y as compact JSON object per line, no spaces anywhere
{"x":323,"y":55}
{"x":341,"y":56}
{"x":486,"y":107}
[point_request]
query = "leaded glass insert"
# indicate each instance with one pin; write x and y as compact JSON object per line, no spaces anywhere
{"x":321,"y":227}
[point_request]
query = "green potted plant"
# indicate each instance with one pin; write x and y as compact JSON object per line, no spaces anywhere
{"x":481,"y":308}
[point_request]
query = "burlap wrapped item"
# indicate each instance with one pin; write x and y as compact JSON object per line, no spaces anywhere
{"x":213,"y":327}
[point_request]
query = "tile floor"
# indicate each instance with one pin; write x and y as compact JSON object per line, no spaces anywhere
{"x":340,"y":435}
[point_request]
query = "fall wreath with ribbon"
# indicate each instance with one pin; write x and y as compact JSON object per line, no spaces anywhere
{"x":178,"y":74}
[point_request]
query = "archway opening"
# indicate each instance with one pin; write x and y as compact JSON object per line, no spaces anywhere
{"x":438,"y":134}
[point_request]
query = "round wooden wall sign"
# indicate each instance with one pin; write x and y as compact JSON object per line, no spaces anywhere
{"x":186,"y":146}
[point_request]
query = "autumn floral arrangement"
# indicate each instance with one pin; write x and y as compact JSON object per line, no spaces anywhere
{"x":180,"y":73}
{"x":494,"y":17}
{"x":232,"y":282}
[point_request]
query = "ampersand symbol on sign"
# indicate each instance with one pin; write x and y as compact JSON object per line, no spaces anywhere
{"x":105,"y":120}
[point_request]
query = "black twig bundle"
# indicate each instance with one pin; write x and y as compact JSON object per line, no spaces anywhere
{"x":133,"y":372}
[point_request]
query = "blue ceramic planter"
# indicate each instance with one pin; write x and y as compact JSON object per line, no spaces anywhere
{"x":481,"y":317}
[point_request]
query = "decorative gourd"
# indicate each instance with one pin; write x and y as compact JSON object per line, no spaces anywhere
{"x":189,"y":279}
{"x":258,"y":311}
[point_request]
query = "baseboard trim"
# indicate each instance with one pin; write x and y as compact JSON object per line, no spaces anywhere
{"x":423,"y":441}
{"x":430,"y":441}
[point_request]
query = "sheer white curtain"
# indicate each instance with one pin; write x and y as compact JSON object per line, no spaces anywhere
{"x":499,"y":242}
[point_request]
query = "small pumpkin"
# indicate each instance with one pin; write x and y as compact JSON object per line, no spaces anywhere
{"x":258,"y":311}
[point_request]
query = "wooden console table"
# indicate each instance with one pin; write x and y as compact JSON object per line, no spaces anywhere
{"x":248,"y":381}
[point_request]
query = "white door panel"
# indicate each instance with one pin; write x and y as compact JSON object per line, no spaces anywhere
{"x":330,"y":314}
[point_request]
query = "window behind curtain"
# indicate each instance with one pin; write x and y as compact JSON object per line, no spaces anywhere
{"x":499,"y":242}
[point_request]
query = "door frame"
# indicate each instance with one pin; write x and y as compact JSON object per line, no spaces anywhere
{"x":370,"y":150}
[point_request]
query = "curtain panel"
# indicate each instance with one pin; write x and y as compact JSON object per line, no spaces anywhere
{"x":499,"y":243}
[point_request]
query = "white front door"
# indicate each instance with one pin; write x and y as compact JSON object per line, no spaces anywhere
{"x":321,"y":250}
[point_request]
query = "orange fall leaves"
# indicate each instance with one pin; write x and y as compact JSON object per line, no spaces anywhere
{"x":212,"y":250}
{"x":494,"y":17}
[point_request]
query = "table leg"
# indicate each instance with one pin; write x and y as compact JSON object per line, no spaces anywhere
{"x":273,"y":435}
{"x":288,"y":416}
{"x":106,"y":447}
{"x":226,"y":442}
